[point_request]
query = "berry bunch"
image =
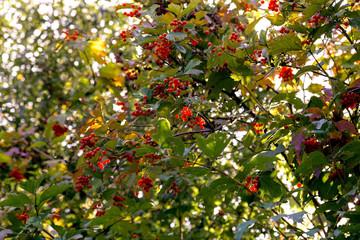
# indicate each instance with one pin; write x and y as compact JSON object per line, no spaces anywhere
{"x":186,"y":113}
{"x":124,"y":34}
{"x":235,"y":37}
{"x":83,"y":181}
{"x":59,"y":130}
{"x":286,"y":74}
{"x":23,"y":217}
{"x":149,"y":141}
{"x":308,"y":42}
{"x":72,"y":37}
{"x":258,"y":53}
{"x":128,"y":156}
{"x":335,"y":175}
{"x":179,"y":25}
{"x":350,"y":100}
{"x":145,"y":183}
{"x":88,"y":141}
{"x":284,"y":30}
{"x":135,"y":13}
{"x":163,"y":50}
{"x":257,"y":127}
{"x":152,"y":157}
{"x":98,"y":212}
{"x":252,"y":183}
{"x":118,"y":201}
{"x":16,"y":174}
{"x":311,"y":145}
{"x":139,"y":111}
{"x":173,"y":189}
{"x":123,"y":106}
{"x":171,"y":85}
{"x":273,"y":5}
{"x":316,"y":19}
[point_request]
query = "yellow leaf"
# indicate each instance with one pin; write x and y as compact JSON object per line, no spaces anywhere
{"x":113,"y":71}
{"x":96,"y":50}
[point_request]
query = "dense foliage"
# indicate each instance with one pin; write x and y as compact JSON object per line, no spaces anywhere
{"x":181,"y":120}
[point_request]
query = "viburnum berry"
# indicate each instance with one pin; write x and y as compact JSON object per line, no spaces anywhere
{"x":83,"y":181}
{"x":273,"y":6}
{"x":252,"y":183}
{"x":335,"y":175}
{"x":311,"y":145}
{"x":145,"y":183}
{"x":350,"y":100}
{"x":17,"y":175}
{"x":286,"y":74}
{"x":59,"y":130}
{"x":23,"y":217}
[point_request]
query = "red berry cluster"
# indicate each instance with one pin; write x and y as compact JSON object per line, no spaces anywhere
{"x":152,"y":157}
{"x":128,"y":156}
{"x":284,"y":30}
{"x":195,"y":42}
{"x":308,"y":42}
{"x":311,"y":145}
{"x":173,"y":189}
{"x":83,"y":181}
{"x":252,"y":183}
{"x":118,"y":201}
{"x":179,"y":25}
{"x":139,"y":111}
{"x":316,"y":19}
{"x":163,"y":50}
{"x":258,"y":53}
{"x":235,"y":37}
{"x":134,"y":13}
{"x":350,"y":100}
{"x":239,"y":27}
{"x":273,"y":6}
{"x":16,"y":174}
{"x":149,"y":141}
{"x":102,"y":163}
{"x":199,"y":122}
{"x":23,"y":217}
{"x":73,"y":37}
{"x":171,"y":85}
{"x":131,"y":74}
{"x":59,"y":130}
{"x":186,"y":113}
{"x":286,"y":74}
{"x":88,"y":141}
{"x":124,"y":34}
{"x":145,"y":183}
{"x":335,"y":175}
{"x":123,"y":106}
{"x":257,"y":127}
{"x":98,"y":212}
{"x":91,"y":154}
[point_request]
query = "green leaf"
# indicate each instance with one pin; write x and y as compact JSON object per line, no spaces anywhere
{"x":32,"y":185}
{"x":277,"y":19}
{"x":163,"y":131}
{"x":146,"y":92}
{"x":248,"y":139}
{"x":196,"y":171}
{"x":145,"y":149}
{"x":193,"y":63}
{"x":286,"y":43}
{"x":112,"y":215}
{"x":16,"y":200}
{"x":191,"y":6}
{"x":290,"y":98}
{"x":269,"y":188}
{"x":174,"y":143}
{"x":38,"y":144}
{"x":176,"y":9}
{"x":53,"y":191}
{"x":350,"y":153}
{"x":242,"y":228}
{"x":174,"y":36}
{"x":305,"y":69}
{"x":297,"y":217}
{"x":252,"y":26}
{"x":314,"y":160}
{"x":213,"y":145}
{"x":4,"y":158}
{"x":259,"y":162}
{"x":219,"y":81}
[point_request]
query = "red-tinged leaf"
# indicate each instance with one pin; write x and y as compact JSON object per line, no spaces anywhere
{"x":316,"y":113}
{"x":343,"y":125}
{"x":354,"y":85}
{"x":296,"y":141}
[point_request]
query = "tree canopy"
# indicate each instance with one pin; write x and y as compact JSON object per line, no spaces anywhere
{"x":180,"y":119}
